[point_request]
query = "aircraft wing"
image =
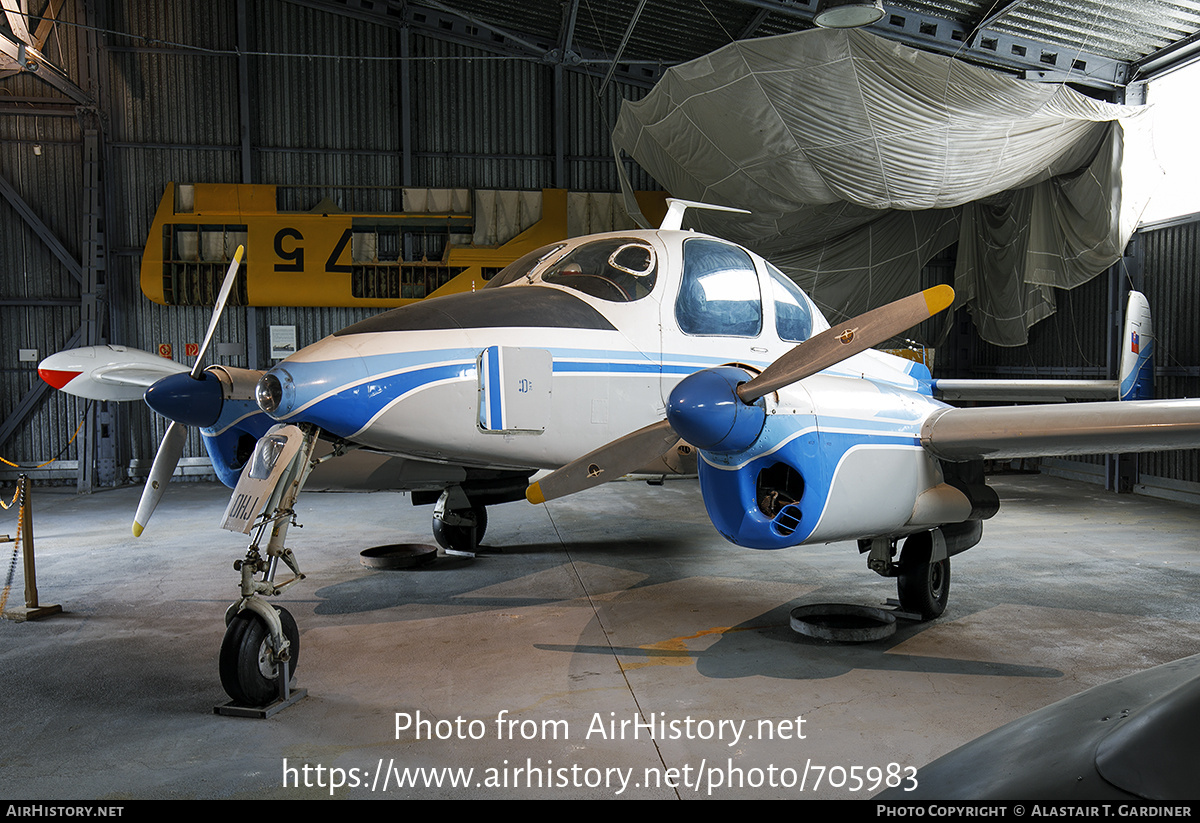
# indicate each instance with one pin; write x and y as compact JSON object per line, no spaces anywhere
{"x":1056,"y":430}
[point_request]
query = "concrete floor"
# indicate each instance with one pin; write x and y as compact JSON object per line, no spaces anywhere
{"x":620,"y":603}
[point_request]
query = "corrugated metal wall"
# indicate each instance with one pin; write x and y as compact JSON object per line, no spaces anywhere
{"x":38,"y":296}
{"x":325,"y":99}
{"x":1172,"y":285}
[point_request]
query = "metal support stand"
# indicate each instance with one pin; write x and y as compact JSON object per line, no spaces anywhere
{"x":32,"y":610}
{"x":287,"y":697}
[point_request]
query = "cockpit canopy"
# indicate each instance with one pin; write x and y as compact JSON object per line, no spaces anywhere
{"x":616,"y":269}
{"x":719,"y":287}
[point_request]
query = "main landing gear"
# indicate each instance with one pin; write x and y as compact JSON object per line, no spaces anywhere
{"x":459,"y":517}
{"x":922,"y":571}
{"x":922,"y":583}
{"x":458,"y":526}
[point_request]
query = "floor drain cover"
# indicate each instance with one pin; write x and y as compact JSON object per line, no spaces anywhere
{"x":398,"y":556}
{"x":843,"y":623}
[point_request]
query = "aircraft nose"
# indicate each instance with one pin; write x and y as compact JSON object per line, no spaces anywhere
{"x":305,"y":379}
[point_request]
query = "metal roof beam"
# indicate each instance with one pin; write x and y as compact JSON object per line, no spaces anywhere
{"x":566,"y":35}
{"x":637,"y":12}
{"x":757,"y":20}
{"x":442,"y":21}
{"x":1177,"y":55}
{"x":1030,"y":58}
{"x":16,"y":21}
{"x":18,"y":56}
{"x":996,"y":15}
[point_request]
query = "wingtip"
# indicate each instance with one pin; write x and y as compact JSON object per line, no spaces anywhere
{"x":534,"y":494}
{"x":938,"y":298}
{"x":137,"y":529}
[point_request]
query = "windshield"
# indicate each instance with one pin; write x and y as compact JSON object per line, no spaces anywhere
{"x":522,"y":266}
{"x":619,"y":269}
{"x":793,"y":318}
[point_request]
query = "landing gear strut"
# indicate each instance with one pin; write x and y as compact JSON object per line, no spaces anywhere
{"x":262,"y":644}
{"x":923,"y":571}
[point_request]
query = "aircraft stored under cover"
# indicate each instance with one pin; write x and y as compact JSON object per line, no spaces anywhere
{"x":594,"y":357}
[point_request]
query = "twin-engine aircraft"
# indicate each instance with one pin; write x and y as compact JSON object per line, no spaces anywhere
{"x":595,"y":357}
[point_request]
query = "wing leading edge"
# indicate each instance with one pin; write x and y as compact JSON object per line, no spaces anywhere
{"x":1058,"y":430}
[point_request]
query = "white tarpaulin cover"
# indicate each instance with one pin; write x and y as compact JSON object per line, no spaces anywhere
{"x":861,"y":158}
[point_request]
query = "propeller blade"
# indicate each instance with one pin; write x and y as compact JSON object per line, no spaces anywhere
{"x":610,"y":461}
{"x":218,"y":309}
{"x":165,"y":461}
{"x":834,"y":345}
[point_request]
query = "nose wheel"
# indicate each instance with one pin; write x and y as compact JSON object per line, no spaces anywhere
{"x":250,"y":663}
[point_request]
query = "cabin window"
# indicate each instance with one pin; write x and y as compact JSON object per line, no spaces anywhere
{"x":793,"y":317}
{"x":619,"y":270}
{"x":719,"y":293}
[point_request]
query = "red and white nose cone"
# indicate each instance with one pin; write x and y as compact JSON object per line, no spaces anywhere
{"x":106,"y":372}
{"x":58,"y":378}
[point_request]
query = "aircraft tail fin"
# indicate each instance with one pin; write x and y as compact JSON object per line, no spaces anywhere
{"x":1137,"y":351}
{"x":1135,"y":379}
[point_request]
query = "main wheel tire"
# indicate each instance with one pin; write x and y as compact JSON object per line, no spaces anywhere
{"x":459,"y":538}
{"x":924,"y":586}
{"x":249,"y":676}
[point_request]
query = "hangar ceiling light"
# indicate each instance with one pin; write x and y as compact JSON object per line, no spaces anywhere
{"x":847,"y":14}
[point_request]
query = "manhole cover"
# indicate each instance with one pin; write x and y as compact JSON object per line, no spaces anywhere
{"x":398,"y":556}
{"x":843,"y":623}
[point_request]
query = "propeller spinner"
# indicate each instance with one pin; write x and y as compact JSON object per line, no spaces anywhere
{"x":719,"y":410}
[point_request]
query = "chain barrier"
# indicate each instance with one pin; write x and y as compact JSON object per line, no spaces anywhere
{"x":87,"y":410}
{"x":12,"y":565}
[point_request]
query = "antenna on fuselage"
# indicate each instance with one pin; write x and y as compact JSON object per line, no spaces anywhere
{"x":676,"y":208}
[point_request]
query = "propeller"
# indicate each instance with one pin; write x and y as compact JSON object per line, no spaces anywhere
{"x":187,"y":399}
{"x":718,"y":410}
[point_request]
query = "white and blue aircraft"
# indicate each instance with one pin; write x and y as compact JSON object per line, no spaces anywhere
{"x":596,"y":357}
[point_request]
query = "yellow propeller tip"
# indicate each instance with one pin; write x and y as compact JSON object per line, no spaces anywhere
{"x":938,"y":298}
{"x":534,"y":494}
{"x":137,"y":529}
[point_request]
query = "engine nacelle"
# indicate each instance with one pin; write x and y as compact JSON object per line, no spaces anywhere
{"x":848,"y":467}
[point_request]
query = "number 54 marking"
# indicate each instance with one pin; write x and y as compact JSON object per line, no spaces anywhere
{"x":292,"y":253}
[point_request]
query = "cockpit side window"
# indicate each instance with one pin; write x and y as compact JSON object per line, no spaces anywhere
{"x":523,"y":266}
{"x":619,"y":270}
{"x":793,"y":317}
{"x":719,"y":293}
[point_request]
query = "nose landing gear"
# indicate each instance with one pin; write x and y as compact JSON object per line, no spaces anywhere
{"x":262,"y":644}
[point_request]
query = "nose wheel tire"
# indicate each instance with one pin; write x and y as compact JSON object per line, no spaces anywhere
{"x":248,"y":674}
{"x":924,"y":586}
{"x":461,"y":538}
